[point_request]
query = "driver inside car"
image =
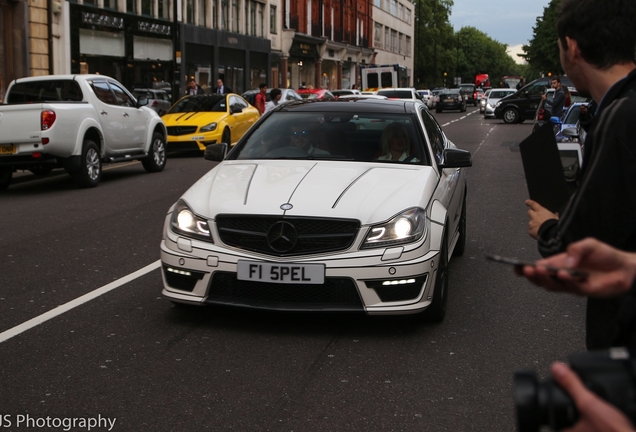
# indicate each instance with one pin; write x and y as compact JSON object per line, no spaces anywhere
{"x":307,"y":139}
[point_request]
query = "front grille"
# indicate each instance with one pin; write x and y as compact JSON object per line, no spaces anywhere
{"x":336,"y":294}
{"x":310,"y":235}
{"x":181,"y":130}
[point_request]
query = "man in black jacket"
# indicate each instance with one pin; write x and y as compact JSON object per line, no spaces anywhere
{"x":600,"y":64}
{"x":558,"y":102}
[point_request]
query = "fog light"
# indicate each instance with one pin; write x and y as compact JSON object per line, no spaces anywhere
{"x":398,"y":282}
{"x":178,"y":271}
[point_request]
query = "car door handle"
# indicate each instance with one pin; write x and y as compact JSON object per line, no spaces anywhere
{"x":103,"y":113}
{"x":125,"y":115}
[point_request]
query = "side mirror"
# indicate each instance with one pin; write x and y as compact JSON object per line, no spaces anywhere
{"x":235,"y":109}
{"x":215,"y":152}
{"x":555,"y":119}
{"x":456,"y":158}
{"x":142,"y":101}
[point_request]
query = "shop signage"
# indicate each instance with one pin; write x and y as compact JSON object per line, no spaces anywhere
{"x":155,"y":28}
{"x":102,"y":20}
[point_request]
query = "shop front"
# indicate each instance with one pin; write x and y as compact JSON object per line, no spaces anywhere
{"x":137,"y":51}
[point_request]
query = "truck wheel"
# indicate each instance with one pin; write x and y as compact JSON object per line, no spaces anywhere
{"x":90,"y":172}
{"x":510,"y":116}
{"x":5,"y":179}
{"x":156,"y":159}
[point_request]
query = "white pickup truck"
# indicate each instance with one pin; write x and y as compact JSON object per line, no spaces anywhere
{"x":76,"y":122}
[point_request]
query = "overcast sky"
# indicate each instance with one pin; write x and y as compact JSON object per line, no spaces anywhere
{"x":506,"y":21}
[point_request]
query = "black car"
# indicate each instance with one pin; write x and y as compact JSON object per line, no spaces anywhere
{"x":450,"y":99}
{"x":469,"y":92}
{"x":523,"y":105}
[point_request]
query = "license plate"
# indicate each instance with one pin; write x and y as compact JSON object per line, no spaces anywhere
{"x":7,"y":149}
{"x":281,"y":273}
{"x":197,"y":138}
{"x":449,"y":99}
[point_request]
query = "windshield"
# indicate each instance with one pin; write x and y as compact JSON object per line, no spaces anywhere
{"x":334,"y":136}
{"x":45,"y":91}
{"x":209,"y":103}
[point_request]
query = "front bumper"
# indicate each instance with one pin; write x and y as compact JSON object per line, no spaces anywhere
{"x":392,"y":281}
{"x":195,"y":140}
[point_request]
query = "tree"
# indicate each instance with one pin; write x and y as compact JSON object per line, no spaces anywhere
{"x":433,"y":40}
{"x":542,"y":53}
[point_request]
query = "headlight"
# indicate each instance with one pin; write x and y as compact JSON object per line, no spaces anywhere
{"x":186,"y":223}
{"x":407,"y":227}
{"x":209,"y":127}
{"x":489,"y":105}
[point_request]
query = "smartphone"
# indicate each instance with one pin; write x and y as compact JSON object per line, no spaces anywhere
{"x":520,"y":263}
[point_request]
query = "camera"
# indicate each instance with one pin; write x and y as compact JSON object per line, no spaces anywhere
{"x":610,"y":374}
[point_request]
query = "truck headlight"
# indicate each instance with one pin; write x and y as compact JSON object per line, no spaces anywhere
{"x":406,"y":227}
{"x":186,"y":223}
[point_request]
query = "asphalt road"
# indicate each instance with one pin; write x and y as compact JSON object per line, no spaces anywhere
{"x":127,"y":355}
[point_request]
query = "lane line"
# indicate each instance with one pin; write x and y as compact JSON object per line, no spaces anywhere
{"x":8,"y":334}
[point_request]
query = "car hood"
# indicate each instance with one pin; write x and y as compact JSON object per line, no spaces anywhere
{"x":193,"y":118}
{"x":368,"y":192}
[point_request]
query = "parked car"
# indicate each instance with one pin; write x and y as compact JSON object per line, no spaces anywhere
{"x":302,"y":215}
{"x":158,"y":100}
{"x":427,"y":97}
{"x":569,"y":120}
{"x":469,"y":93}
{"x":316,"y":94}
{"x":450,"y":99}
{"x":76,"y":122}
{"x":286,"y":95}
{"x":400,"y":93}
{"x":345,"y":92}
{"x":524,"y":103}
{"x":196,"y":121}
{"x":494,"y":96}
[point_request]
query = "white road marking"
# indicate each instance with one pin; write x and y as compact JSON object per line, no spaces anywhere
{"x":8,"y":334}
{"x":461,"y":118}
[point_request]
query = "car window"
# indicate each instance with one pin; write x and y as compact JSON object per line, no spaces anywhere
{"x":123,"y":99}
{"x":333,"y":136}
{"x":103,"y":92}
{"x":396,"y":94}
{"x":572,"y":116}
{"x":537,"y":88}
{"x":41,"y":91}
{"x":208,"y":103}
{"x":434,"y":133}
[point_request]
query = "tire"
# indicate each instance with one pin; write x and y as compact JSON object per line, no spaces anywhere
{"x":437,"y":310}
{"x":510,"y":116}
{"x":460,"y":246}
{"x":90,"y":172}
{"x":227,"y":137}
{"x":156,"y":159}
{"x":5,"y":179}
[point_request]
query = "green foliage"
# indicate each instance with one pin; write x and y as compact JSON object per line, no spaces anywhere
{"x":439,"y":49}
{"x":542,"y":53}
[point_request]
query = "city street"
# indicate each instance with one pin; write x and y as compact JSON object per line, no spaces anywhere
{"x":126,"y":354}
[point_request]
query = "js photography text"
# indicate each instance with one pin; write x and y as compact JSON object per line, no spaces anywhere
{"x":63,"y":423}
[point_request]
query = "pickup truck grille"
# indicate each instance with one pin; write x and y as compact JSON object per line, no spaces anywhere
{"x":181,"y":130}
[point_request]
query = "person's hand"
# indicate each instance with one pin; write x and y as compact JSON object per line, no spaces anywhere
{"x":595,"y":415}
{"x":538,"y":214}
{"x":610,"y":272}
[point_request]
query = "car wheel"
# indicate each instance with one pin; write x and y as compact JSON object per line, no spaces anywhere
{"x":90,"y":172}
{"x":5,"y":179}
{"x":510,"y":116}
{"x":437,"y":310}
{"x":460,"y":246}
{"x":156,"y":159}
{"x":227,"y":137}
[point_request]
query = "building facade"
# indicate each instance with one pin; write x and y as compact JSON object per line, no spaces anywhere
{"x":393,"y":33}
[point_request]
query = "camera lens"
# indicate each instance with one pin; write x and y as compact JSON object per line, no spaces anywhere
{"x":541,"y":403}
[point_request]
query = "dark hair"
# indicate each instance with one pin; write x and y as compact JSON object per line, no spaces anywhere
{"x":262,"y":85}
{"x":274,"y":93}
{"x":557,"y":79}
{"x":603,"y":29}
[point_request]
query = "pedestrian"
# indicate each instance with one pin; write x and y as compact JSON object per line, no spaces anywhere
{"x":558,"y":101}
{"x":302,"y":85}
{"x":275,"y":95}
{"x":221,"y":88}
{"x":600,"y":64}
{"x":261,"y":98}
{"x":194,"y":88}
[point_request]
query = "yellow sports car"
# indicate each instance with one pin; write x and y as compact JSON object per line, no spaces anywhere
{"x":199,"y":120}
